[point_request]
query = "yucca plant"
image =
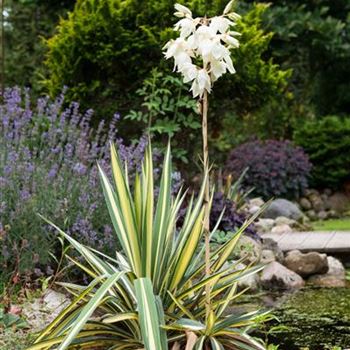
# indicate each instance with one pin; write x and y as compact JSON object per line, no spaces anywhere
{"x":151,"y":295}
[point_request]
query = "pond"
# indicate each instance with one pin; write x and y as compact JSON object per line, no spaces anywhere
{"x":316,"y":318}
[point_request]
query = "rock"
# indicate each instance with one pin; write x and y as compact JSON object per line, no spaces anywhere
{"x":264,"y":225}
{"x":324,"y":197}
{"x":335,"y":267}
{"x":249,"y":248}
{"x":44,"y":310}
{"x":311,"y":214}
{"x":306,"y":264}
{"x":282,"y":229}
{"x":281,"y":220}
{"x":283,"y":207}
{"x":272,"y":245}
{"x":316,"y":202}
{"x":251,"y":281}
{"x":335,"y":277}
{"x":339,"y":202}
{"x":253,"y":209}
{"x":322,"y":215}
{"x":305,"y":203}
{"x":275,"y":276}
{"x":332,"y":214}
{"x":327,"y":191}
{"x":310,"y":191}
{"x":267,"y":256}
{"x":329,"y":281}
{"x":258,"y":202}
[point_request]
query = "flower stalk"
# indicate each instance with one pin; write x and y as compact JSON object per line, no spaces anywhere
{"x":202,"y":55}
{"x":206,"y":220}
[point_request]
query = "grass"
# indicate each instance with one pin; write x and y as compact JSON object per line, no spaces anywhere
{"x":342,"y":224}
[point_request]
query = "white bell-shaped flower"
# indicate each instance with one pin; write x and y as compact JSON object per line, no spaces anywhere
{"x":220,"y":24}
{"x":202,"y":52}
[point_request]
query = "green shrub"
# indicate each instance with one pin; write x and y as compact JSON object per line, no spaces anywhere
{"x":327,"y":142}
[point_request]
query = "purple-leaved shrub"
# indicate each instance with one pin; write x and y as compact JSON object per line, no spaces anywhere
{"x":48,"y":165}
{"x":275,"y":168}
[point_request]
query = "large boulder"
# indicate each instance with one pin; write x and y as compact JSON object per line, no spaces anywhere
{"x":335,"y":277}
{"x":276,"y":277}
{"x":283,"y":207}
{"x":306,"y":264}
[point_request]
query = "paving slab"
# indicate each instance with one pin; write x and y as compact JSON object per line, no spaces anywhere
{"x":321,"y":241}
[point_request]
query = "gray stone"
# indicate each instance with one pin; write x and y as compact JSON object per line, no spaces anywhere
{"x":322,"y":215}
{"x":270,"y":244}
{"x":327,"y":191}
{"x":305,"y":203}
{"x":306,"y":264}
{"x":317,"y":202}
{"x":253,"y":209}
{"x":264,"y":225}
{"x":282,"y":220}
{"x":283,"y":207}
{"x":256,"y":202}
{"x":250,"y":281}
{"x":280,"y":229}
{"x":267,"y":256}
{"x":276,"y":276}
{"x":332,"y":214}
{"x":311,"y":214}
{"x":335,"y":277}
{"x":324,"y":197}
{"x":310,"y":191}
{"x":339,"y":202}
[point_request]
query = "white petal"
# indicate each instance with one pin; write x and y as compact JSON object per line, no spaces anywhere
{"x":189,"y":72}
{"x":205,"y":47}
{"x":196,"y":91}
{"x":219,"y":51}
{"x":181,"y":59}
{"x":228,"y":7}
{"x":217,"y":69}
{"x":234,"y":16}
{"x":231,"y":41}
{"x":220,"y":24}
{"x":183,"y":9}
{"x":204,"y":80}
{"x":186,"y":26}
{"x":229,"y":64}
{"x":205,"y":32}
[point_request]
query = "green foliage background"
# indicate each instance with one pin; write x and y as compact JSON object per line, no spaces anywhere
{"x":292,"y":65}
{"x":327,"y":141}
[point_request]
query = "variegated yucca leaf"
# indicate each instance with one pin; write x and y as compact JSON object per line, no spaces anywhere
{"x":151,"y":295}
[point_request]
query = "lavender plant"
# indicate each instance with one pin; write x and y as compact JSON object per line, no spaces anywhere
{"x":48,"y":155}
